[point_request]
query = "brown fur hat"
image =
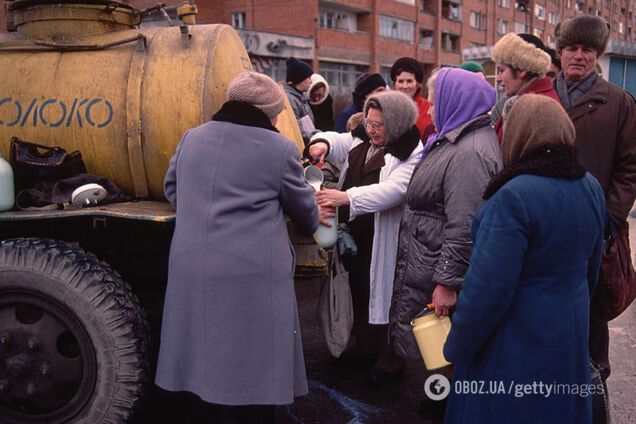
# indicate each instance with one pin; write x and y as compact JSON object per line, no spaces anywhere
{"x":590,"y":31}
{"x":515,"y":52}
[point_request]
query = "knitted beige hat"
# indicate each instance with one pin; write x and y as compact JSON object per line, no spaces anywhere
{"x":513,"y":51}
{"x":259,"y":90}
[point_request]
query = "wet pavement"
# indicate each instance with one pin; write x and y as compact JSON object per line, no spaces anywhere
{"x":341,"y":394}
{"x":622,"y":382}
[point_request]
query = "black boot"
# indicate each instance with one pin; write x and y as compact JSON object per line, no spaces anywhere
{"x":389,"y":368}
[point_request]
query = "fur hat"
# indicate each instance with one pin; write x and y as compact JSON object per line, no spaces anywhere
{"x":316,"y":80}
{"x":399,"y":112}
{"x":514,"y":51}
{"x":365,"y":84}
{"x":407,"y":64}
{"x":472,"y":66}
{"x":259,"y":90}
{"x":297,"y":71}
{"x":590,"y":31}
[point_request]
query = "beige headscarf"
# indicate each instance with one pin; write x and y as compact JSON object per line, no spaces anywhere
{"x":535,"y":121}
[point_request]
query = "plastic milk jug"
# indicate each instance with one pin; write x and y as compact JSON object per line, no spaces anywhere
{"x":430,"y":333}
{"x":325,"y":236}
{"x":7,"y":197}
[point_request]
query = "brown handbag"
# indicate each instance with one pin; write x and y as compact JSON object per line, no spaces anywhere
{"x":616,"y":288}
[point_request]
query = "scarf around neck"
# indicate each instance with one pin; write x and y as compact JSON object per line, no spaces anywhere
{"x":571,"y":95}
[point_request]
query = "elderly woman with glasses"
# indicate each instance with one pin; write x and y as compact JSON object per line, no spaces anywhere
{"x":378,"y":159}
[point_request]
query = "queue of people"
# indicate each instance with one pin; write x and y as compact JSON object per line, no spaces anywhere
{"x":501,"y":225}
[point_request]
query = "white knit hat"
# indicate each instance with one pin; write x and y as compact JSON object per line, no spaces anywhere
{"x":514,"y":51}
{"x":259,"y":90}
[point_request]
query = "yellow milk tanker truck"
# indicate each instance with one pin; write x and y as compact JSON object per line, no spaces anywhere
{"x":80,"y":285}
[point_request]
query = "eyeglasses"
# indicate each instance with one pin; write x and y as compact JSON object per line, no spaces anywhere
{"x":373,"y":124}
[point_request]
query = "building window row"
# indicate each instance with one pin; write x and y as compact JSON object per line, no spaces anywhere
{"x":341,"y":76}
{"x":396,"y":28}
{"x":478,"y":20}
{"x":504,"y":3}
{"x":451,"y":10}
{"x":539,"y":12}
{"x":238,"y":20}
{"x":502,"y":27}
{"x":427,"y":38}
{"x":338,"y":20}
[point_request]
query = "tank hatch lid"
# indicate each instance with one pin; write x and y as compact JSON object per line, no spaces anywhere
{"x":22,"y":4}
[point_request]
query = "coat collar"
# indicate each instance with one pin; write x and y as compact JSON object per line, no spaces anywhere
{"x":549,"y":161}
{"x":405,"y":144}
{"x":242,"y":113}
{"x":475,"y":123}
{"x":588,"y":103}
{"x":538,"y":86}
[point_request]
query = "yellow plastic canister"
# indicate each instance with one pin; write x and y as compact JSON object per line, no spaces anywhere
{"x":123,"y":97}
{"x":430,"y":333}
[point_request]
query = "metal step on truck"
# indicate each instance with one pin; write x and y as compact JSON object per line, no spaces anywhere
{"x":81,"y":288}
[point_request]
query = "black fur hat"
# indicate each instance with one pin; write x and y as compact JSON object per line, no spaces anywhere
{"x":590,"y":31}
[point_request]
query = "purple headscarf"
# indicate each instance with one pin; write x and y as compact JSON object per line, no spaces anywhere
{"x":460,"y":96}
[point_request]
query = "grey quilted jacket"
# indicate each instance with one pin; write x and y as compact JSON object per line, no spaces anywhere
{"x":435,"y":240}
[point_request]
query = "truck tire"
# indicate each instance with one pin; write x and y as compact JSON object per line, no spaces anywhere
{"x":73,"y":337}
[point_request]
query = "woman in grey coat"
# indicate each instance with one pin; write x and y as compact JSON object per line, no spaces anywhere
{"x":444,"y":192}
{"x":230,"y":331}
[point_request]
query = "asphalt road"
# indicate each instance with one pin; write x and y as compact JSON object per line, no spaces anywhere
{"x":341,"y":395}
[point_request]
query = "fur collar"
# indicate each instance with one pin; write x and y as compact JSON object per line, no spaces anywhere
{"x":549,"y":161}
{"x":242,"y":113}
{"x":405,"y":144}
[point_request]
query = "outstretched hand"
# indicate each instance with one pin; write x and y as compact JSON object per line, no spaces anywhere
{"x":331,"y":198}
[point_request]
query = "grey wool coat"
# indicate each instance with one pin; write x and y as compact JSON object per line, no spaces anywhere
{"x":230,"y":331}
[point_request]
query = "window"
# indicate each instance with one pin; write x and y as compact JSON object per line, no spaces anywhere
{"x":621,"y":28}
{"x":427,"y":6}
{"x":504,"y":3}
{"x":539,"y":12}
{"x":238,"y":20}
{"x":553,"y":18}
{"x":399,"y":29}
{"x":411,"y":2}
{"x":427,"y":39}
{"x":451,"y":11}
{"x":578,"y":6}
{"x":568,"y":3}
{"x":520,"y":27}
{"x":337,"y":20}
{"x":450,"y":42}
{"x":274,"y":68}
{"x":478,"y":20}
{"x":502,"y":27}
{"x":473,"y":44}
{"x":537,"y":32}
{"x":551,"y":41}
{"x":341,"y":76}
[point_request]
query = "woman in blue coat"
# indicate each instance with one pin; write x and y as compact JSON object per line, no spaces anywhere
{"x":521,"y":323}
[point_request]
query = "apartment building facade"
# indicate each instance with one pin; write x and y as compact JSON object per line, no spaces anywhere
{"x":343,"y":38}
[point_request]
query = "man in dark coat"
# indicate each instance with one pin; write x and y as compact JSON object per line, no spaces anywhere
{"x":298,"y":81}
{"x":605,"y":120}
{"x":230,"y":331}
